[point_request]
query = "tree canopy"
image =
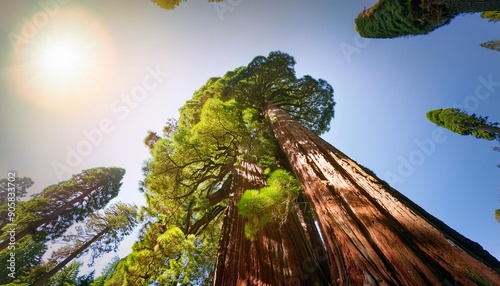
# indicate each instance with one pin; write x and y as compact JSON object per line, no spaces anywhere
{"x":57,"y":207}
{"x":188,"y":179}
{"x":398,"y":18}
{"x":49,"y":214}
{"x":172,"y":4}
{"x":462,"y":123}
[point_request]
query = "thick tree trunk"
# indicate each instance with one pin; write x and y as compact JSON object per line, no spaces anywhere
{"x":68,"y":259}
{"x":279,"y":255}
{"x":373,"y":234}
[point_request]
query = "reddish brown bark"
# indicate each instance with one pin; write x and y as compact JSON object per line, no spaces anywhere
{"x":279,"y":255}
{"x":373,"y":234}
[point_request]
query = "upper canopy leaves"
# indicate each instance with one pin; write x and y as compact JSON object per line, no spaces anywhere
{"x":272,"y":80}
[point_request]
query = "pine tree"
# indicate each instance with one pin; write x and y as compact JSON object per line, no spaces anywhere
{"x":460,"y":122}
{"x":102,"y":233}
{"x":57,"y":207}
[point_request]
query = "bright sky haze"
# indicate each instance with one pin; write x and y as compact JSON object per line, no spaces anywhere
{"x":83,"y":82}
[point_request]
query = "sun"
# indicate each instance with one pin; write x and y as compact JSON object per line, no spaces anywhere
{"x":68,"y":64}
{"x":65,"y":63}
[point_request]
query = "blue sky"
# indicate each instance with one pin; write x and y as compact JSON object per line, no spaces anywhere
{"x":141,"y":63}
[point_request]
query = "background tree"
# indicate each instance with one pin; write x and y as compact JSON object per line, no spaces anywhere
{"x":107,"y":273}
{"x":492,"y":16}
{"x":397,"y":18}
{"x":57,"y":207}
{"x":21,"y":185}
{"x":497,"y":215}
{"x":172,"y":4}
{"x":460,"y":122}
{"x":29,"y":251}
{"x":102,"y":233}
{"x":492,"y":45}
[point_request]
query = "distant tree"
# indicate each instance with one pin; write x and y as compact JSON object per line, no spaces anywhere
{"x":20,"y":185}
{"x":28,"y":253}
{"x":57,"y":207}
{"x":86,"y":280}
{"x":67,"y":276}
{"x":492,"y":45}
{"x":107,"y":273}
{"x":102,"y":233}
{"x":172,"y":4}
{"x":397,"y":18}
{"x":460,"y":122}
{"x":492,"y":16}
{"x":497,"y":215}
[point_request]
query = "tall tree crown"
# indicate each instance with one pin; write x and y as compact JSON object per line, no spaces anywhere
{"x":272,"y":80}
{"x":460,"y":122}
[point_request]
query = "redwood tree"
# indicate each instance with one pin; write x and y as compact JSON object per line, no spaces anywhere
{"x":374,"y":235}
{"x":196,"y":172}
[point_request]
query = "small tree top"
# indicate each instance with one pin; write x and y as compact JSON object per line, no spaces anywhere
{"x":460,"y":122}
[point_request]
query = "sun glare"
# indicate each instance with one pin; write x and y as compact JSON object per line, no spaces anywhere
{"x":67,"y":64}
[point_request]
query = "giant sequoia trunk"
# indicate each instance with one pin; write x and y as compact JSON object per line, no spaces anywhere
{"x":373,"y":234}
{"x":279,"y":255}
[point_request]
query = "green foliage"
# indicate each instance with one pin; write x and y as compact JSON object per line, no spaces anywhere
{"x":107,"y":272}
{"x":460,"y":122}
{"x":168,"y":4}
{"x":270,"y":203}
{"x":102,"y":232}
{"x":492,"y":45}
{"x":397,"y":18}
{"x":67,"y":276}
{"x":497,"y":215}
{"x":172,"y":4}
{"x":20,"y":186}
{"x":272,"y":80}
{"x":72,"y":201}
{"x":172,"y":257}
{"x":492,"y":16}
{"x":29,"y":250}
